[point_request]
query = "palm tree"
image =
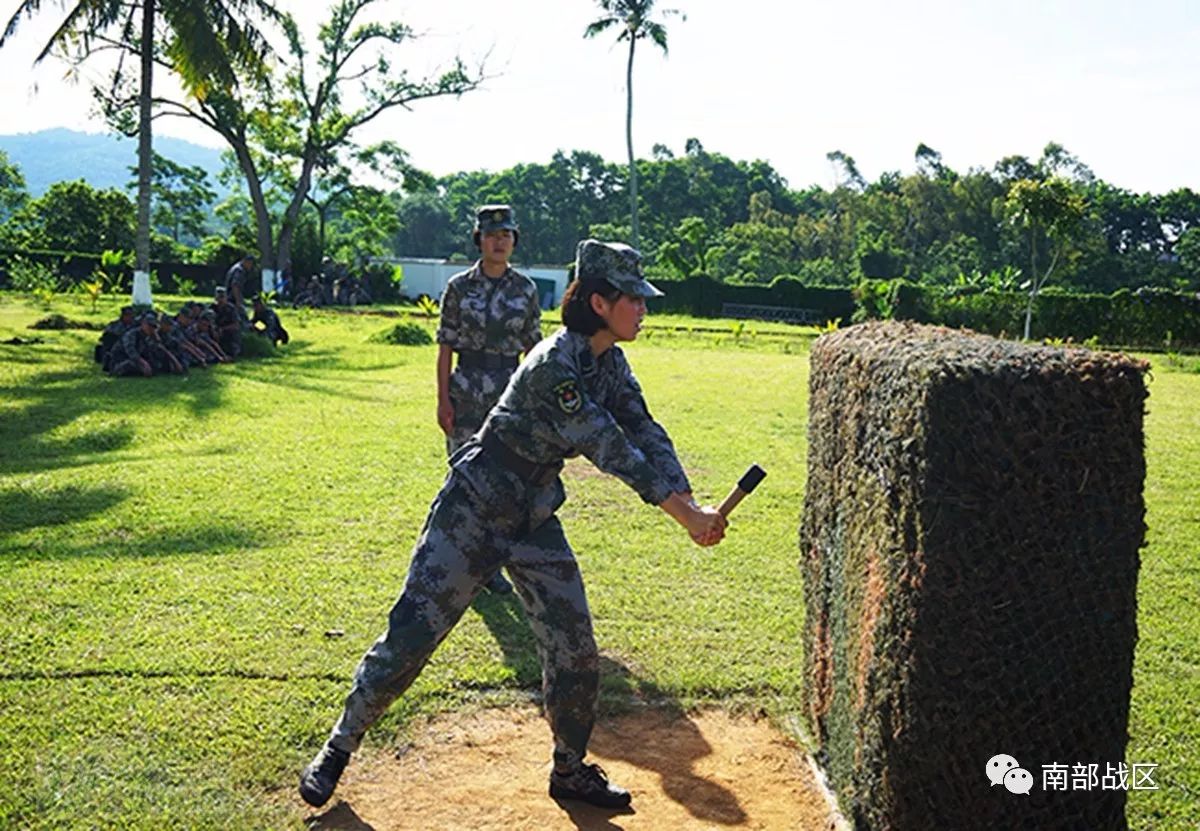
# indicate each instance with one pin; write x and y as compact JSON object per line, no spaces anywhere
{"x":633,"y":18}
{"x":207,"y":39}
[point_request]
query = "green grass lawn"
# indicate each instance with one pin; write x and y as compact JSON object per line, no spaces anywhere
{"x":192,"y":566}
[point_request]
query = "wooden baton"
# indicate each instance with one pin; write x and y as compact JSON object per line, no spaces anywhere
{"x":745,"y":486}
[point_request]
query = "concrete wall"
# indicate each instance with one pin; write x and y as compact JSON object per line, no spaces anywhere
{"x":429,"y":277}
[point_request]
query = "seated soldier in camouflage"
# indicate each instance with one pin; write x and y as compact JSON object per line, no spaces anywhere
{"x":162,"y":357}
{"x":131,"y":355}
{"x":178,"y":340}
{"x":228,"y":325}
{"x":574,"y":394}
{"x":113,"y":333}
{"x":266,"y":322}
{"x":206,"y":337}
{"x":342,"y":287}
{"x":312,"y":294}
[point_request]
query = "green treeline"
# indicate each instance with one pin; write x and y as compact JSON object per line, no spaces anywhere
{"x":739,"y":222}
{"x":1048,"y":220}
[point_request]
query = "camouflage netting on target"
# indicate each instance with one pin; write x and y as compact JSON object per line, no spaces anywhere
{"x":970,"y":554}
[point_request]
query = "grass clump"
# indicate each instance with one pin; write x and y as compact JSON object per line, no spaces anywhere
{"x":405,"y":333}
{"x":255,"y":345}
{"x":60,"y":322}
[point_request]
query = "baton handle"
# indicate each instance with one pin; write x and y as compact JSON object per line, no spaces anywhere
{"x":745,"y":486}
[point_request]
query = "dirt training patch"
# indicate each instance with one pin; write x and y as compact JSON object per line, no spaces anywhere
{"x":489,"y":769}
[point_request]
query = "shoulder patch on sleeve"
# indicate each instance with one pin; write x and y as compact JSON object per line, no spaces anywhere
{"x":566,"y":393}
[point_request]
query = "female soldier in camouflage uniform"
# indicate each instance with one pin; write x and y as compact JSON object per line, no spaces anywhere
{"x":574,"y":394}
{"x":490,"y":315}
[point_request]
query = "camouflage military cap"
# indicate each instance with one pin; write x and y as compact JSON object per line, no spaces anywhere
{"x":148,"y":317}
{"x":615,"y":262}
{"x":495,"y":218}
{"x":208,"y":314}
{"x":220,"y":292}
{"x":127,"y":310}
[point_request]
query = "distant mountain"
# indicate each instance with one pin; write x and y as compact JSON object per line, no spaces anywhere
{"x":102,"y":160}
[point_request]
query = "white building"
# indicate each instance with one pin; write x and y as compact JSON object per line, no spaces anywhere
{"x":429,"y":277}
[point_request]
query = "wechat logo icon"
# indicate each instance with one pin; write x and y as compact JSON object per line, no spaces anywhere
{"x":1003,"y":769}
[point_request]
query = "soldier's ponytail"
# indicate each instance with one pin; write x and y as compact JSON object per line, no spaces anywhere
{"x":577,"y":312}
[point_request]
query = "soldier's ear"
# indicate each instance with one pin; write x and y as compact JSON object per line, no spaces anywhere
{"x":600,"y":305}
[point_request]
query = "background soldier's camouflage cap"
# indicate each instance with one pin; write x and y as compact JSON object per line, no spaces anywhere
{"x":495,"y":218}
{"x":615,"y":262}
{"x":148,"y":317}
{"x":220,"y":291}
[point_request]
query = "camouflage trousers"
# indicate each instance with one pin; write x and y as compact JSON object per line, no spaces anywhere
{"x":473,"y":393}
{"x":125,"y":366}
{"x":470,"y":533}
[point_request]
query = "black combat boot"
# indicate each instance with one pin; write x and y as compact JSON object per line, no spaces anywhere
{"x":318,"y":780}
{"x":588,"y":783}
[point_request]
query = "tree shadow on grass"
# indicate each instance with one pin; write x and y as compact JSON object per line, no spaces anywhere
{"x":308,"y":368}
{"x":309,"y":358}
{"x":20,"y":355}
{"x":207,"y":539}
{"x":306,"y":384}
{"x":21,"y":510}
{"x":39,"y":405}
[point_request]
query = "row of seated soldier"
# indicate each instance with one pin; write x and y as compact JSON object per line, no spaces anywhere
{"x":196,"y":336}
{"x":332,"y":287}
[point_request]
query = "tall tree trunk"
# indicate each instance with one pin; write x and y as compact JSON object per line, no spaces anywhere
{"x":258,"y":200}
{"x":633,"y":196}
{"x":141,"y":268}
{"x":1033,"y":282}
{"x":291,"y":216}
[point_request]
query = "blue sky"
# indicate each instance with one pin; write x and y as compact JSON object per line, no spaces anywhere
{"x":1118,"y":84}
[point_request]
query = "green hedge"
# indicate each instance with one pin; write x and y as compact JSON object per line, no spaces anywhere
{"x":702,"y":296}
{"x":76,"y":266}
{"x":1146,"y":318}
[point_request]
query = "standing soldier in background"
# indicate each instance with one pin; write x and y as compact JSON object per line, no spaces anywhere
{"x":235,"y":281}
{"x":490,"y":316}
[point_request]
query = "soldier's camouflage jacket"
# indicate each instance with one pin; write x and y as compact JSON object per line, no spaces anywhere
{"x":564,"y":402}
{"x":480,"y":314}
